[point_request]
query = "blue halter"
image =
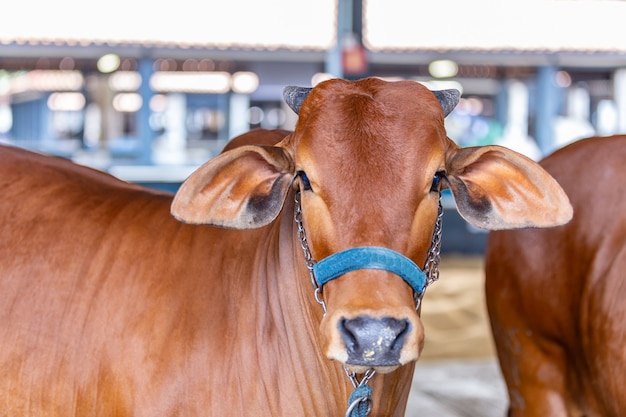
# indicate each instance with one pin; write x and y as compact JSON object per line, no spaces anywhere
{"x":370,"y":257}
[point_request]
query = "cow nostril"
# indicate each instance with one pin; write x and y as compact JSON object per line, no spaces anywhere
{"x":375,"y":341}
{"x":350,"y":330}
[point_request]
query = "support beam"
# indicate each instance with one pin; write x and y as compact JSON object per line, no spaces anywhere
{"x":546,"y":108}
{"x":619,"y":94}
{"x":349,"y":35}
{"x":145,"y":133}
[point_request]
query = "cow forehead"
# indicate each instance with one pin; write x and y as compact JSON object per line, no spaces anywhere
{"x":402,"y":97}
{"x":370,"y":152}
{"x":373,"y":129}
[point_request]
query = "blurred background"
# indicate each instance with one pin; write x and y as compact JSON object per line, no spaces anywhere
{"x":150,"y":90}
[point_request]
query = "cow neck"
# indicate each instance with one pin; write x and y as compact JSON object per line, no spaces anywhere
{"x":319,"y":372}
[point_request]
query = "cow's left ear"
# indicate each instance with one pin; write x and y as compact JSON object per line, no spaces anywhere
{"x":497,"y":188}
{"x":243,"y":188}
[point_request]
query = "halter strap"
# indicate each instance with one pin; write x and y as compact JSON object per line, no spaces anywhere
{"x":370,"y":257}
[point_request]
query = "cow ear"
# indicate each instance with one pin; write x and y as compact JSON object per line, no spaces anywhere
{"x":243,"y":188}
{"x":496,"y":188}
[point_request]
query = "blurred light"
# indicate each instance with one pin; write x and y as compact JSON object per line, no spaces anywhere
{"x":255,"y":115}
{"x":319,"y":77}
{"x":443,"y":68}
{"x":607,"y":117}
{"x":67,"y":63}
{"x":108,"y":63}
{"x":217,"y":120}
{"x":190,"y":82}
{"x":191,"y":65}
{"x":165,"y":64}
{"x":245,"y":82}
{"x":471,"y":106}
{"x":42,"y":63}
{"x":127,"y":102}
{"x":563,"y":79}
{"x":5,"y":84}
{"x":66,"y":101}
{"x":158,"y":103}
{"x":125,"y":81}
{"x":128,"y":64}
{"x":206,"y":65}
{"x":47,"y":80}
{"x":276,"y":117}
{"x":6,"y":118}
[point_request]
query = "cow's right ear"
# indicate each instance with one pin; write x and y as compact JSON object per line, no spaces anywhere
{"x":243,"y":188}
{"x":497,"y":188}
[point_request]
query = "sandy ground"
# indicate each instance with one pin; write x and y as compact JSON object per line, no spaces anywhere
{"x":454,"y":313}
{"x":458,"y":374}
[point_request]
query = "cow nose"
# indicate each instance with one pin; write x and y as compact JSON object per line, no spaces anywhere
{"x":374,"y":342}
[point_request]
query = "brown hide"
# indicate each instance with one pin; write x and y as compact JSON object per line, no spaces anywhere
{"x":109,"y":306}
{"x":556,"y":296}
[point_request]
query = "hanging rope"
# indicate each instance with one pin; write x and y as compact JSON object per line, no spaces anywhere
{"x":360,"y":401}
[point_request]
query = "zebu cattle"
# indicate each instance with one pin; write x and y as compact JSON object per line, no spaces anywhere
{"x":112,"y":307}
{"x":556,"y":296}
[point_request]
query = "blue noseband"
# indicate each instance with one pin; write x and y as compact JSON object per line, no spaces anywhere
{"x":370,"y":257}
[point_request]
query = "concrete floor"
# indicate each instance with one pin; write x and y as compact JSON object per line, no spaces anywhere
{"x":458,"y":374}
{"x":457,"y":388}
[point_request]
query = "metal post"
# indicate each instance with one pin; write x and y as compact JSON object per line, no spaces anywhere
{"x":619,"y":96}
{"x":546,"y":108}
{"x":144,"y":131}
{"x":344,"y":25}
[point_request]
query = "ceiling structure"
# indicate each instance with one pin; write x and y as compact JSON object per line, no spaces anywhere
{"x":480,"y":32}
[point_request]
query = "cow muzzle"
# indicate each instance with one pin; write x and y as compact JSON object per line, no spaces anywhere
{"x":374,"y":342}
{"x":366,"y":340}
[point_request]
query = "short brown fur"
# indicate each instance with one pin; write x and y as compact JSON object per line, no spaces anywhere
{"x":556,"y":296}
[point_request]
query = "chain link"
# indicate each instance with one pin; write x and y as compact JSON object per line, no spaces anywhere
{"x":431,"y":268}
{"x":308,"y":257}
{"x":369,"y":374}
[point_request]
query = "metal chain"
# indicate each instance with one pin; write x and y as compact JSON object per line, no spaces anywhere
{"x":308,"y":257}
{"x":360,"y":397}
{"x":369,"y":374}
{"x":431,"y":268}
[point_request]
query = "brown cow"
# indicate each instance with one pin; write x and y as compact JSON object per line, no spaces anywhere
{"x":556,"y":296}
{"x":111,"y":307}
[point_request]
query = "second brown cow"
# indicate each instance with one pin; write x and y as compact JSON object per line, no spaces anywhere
{"x":556,"y":297}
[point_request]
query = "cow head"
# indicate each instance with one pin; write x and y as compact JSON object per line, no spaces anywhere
{"x":370,"y":159}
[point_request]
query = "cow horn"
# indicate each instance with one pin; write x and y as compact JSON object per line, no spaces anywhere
{"x":448,"y":99}
{"x":294,"y":96}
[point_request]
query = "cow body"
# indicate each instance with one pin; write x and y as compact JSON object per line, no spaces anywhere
{"x":111,"y":306}
{"x":556,"y":296}
{"x":97,"y":292}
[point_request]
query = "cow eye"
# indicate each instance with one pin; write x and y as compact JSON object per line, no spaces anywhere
{"x":436,"y":185}
{"x":306,"y":184}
